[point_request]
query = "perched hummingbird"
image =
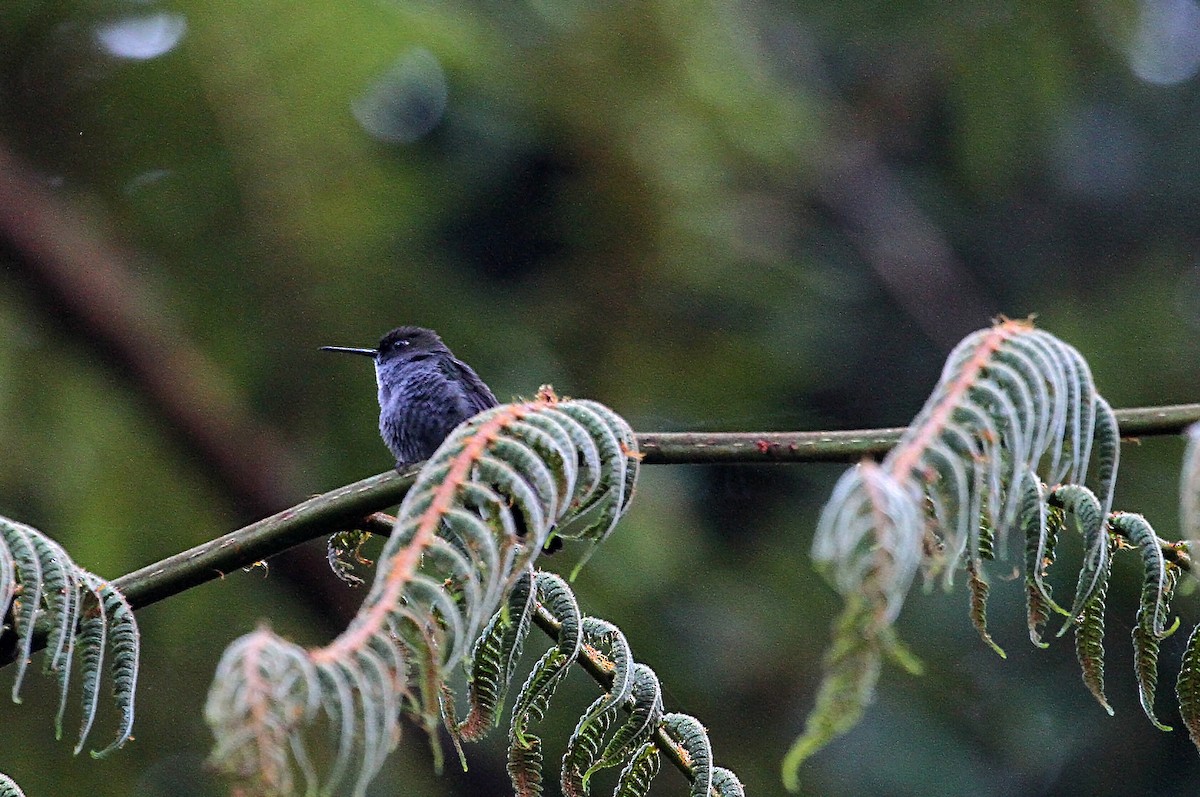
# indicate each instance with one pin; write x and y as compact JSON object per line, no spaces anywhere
{"x":424,"y":391}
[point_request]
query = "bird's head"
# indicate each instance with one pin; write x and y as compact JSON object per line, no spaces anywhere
{"x":400,"y":343}
{"x":398,"y":347}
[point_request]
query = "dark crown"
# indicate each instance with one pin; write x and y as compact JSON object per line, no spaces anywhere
{"x":410,"y":339}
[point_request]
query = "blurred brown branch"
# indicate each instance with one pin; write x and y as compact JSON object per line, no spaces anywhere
{"x":83,"y":282}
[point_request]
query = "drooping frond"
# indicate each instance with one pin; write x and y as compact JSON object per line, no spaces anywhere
{"x":1189,"y":487}
{"x":1187,"y":686}
{"x":610,"y":649}
{"x":1089,"y":632}
{"x":43,"y":591}
{"x":726,"y":784}
{"x":1014,"y":407}
{"x":635,"y":778}
{"x":1158,"y":586}
{"x":1082,"y":504}
{"x":472,"y":524}
{"x":1158,"y":582}
{"x":9,"y":788}
{"x":524,"y":747}
{"x":692,"y":744}
{"x":1042,"y":524}
{"x":852,"y":664}
{"x":645,"y":713}
{"x":979,"y":588}
{"x":624,"y":726}
{"x":494,"y":659}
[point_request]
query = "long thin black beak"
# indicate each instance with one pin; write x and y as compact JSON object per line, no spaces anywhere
{"x":350,"y":350}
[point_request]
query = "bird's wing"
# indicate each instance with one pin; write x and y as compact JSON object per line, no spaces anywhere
{"x":475,"y":392}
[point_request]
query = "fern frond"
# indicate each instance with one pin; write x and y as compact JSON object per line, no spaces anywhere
{"x":1089,"y":632}
{"x":1189,"y":487}
{"x":108,"y":614}
{"x":645,"y":713}
{"x":634,"y":780}
{"x":494,"y":659}
{"x":9,"y":787}
{"x":1157,"y":582}
{"x":726,"y":784}
{"x":1187,"y":686}
{"x":1041,"y":525}
{"x":467,"y":531}
{"x":1145,"y":656}
{"x":607,"y":646}
{"x":979,"y":593}
{"x":552,"y":667}
{"x":583,"y":749}
{"x":44,"y":592}
{"x":1083,"y":505}
{"x":852,"y":665}
{"x":1014,"y":406}
{"x":601,"y":649}
{"x":1158,"y":585}
{"x":524,"y":750}
{"x":693,"y":747}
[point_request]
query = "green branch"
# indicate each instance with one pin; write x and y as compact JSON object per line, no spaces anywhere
{"x":347,"y":507}
{"x":693,"y":448}
{"x":351,"y":506}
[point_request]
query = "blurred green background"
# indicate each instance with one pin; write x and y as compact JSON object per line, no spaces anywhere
{"x":744,"y":215}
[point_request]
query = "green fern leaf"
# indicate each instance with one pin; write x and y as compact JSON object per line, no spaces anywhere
{"x":617,"y":447}
{"x":1011,"y":401}
{"x":1041,"y":525}
{"x":43,"y":591}
{"x":1089,"y":634}
{"x":726,"y":784}
{"x":525,"y":768}
{"x":27,"y":587}
{"x":9,"y":788}
{"x":1187,"y":686}
{"x":1158,"y":585}
{"x":608,"y":646}
{"x":634,"y":780}
{"x":494,"y":659}
{"x":1145,"y":653}
{"x":1090,"y":520}
{"x":466,"y":533}
{"x":534,"y":698}
{"x":644,"y":715}
{"x":125,"y":641}
{"x":524,"y":747}
{"x":852,"y":666}
{"x":1108,"y":454}
{"x":695,"y":749}
{"x":583,"y":749}
{"x":979,"y":594}
{"x":62,"y":593}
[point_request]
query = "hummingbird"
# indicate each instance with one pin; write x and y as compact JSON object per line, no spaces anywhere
{"x":424,"y":391}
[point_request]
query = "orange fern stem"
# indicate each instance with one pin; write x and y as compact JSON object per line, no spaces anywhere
{"x":407,"y":560}
{"x":906,"y":455}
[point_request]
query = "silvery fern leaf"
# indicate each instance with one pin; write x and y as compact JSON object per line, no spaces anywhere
{"x":84,"y":618}
{"x":9,"y":788}
{"x":1014,"y":406}
{"x":466,"y":533}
